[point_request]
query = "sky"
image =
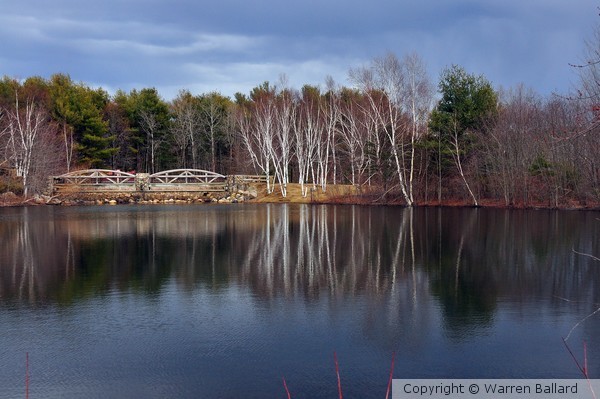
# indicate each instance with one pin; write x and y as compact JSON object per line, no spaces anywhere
{"x":232,"y":46}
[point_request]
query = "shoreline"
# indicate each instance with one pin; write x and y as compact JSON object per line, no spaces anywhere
{"x":335,"y":195}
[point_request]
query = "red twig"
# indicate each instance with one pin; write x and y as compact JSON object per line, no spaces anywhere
{"x":583,"y":369}
{"x":286,"y":389}
{"x":337,"y":371}
{"x":389,"y":387}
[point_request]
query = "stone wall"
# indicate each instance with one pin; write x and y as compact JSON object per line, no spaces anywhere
{"x":113,"y":198}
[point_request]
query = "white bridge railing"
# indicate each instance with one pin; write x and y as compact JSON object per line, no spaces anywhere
{"x":98,"y":180}
{"x":186,"y":176}
{"x":95,"y":177}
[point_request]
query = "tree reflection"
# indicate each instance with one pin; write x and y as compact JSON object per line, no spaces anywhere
{"x":467,"y":259}
{"x":465,"y":286}
{"x":320,"y":250}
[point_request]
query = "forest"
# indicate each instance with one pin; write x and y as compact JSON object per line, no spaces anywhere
{"x":392,"y":132}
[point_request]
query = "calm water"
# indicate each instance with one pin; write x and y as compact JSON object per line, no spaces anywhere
{"x":223,"y":301}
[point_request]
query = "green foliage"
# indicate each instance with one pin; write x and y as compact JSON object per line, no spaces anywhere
{"x":439,"y":155}
{"x":33,"y":89}
{"x":149,"y":119}
{"x":311,"y":92}
{"x":261,"y":91}
{"x":241,"y":99}
{"x":79,"y":110}
{"x":563,"y":174}
{"x":468,"y":102}
{"x":8,"y":86}
{"x":64,"y":100}
{"x":541,"y":167}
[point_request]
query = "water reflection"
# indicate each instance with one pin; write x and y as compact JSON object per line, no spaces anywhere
{"x":126,"y":296}
{"x":468,"y":260}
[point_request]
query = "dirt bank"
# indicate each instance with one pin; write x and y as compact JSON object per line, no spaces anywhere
{"x":334,"y":194}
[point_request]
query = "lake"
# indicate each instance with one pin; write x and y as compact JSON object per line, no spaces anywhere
{"x":224,"y":301}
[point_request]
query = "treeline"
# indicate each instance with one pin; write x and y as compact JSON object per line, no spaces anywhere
{"x":54,"y":126}
{"x":389,"y":131}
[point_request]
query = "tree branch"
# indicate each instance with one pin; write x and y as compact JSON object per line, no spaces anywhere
{"x":588,"y":255}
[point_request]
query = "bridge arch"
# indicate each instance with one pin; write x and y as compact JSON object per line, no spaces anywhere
{"x":186,"y":176}
{"x":95,"y":177}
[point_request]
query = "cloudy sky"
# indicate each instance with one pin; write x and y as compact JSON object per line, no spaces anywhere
{"x":234,"y":45}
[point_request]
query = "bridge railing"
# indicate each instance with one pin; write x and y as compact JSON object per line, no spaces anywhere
{"x":192,"y":180}
{"x":185,"y":176}
{"x":251,"y":178}
{"x":95,"y":177}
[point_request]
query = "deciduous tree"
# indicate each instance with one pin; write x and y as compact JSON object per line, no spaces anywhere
{"x":214,"y":119}
{"x":185,"y":127}
{"x":26,"y":122}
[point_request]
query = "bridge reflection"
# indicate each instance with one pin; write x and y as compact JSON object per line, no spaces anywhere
{"x":465,"y":259}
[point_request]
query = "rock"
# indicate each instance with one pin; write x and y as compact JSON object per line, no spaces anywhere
{"x":41,"y":199}
{"x":112,"y":202}
{"x":251,"y":192}
{"x":8,"y":197}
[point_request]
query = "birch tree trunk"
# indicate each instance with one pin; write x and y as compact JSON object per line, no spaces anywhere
{"x":24,"y":127}
{"x":150,"y":125}
{"x":456,"y":155}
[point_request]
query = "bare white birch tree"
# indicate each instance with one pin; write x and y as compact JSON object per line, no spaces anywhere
{"x":150,"y":126}
{"x":400,"y":98}
{"x":456,"y":150}
{"x":417,"y":96}
{"x":256,"y":126}
{"x":24,"y":126}
{"x":327,"y":146}
{"x":243,"y":121}
{"x":214,"y":117}
{"x":186,"y":124}
{"x":282,"y":146}
{"x":308,"y":134}
{"x":383,"y":83}
{"x":353,"y":137}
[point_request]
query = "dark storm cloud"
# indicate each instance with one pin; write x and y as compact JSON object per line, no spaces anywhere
{"x":232,"y":45}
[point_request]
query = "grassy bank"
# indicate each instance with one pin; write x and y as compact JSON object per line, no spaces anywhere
{"x":364,"y":195}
